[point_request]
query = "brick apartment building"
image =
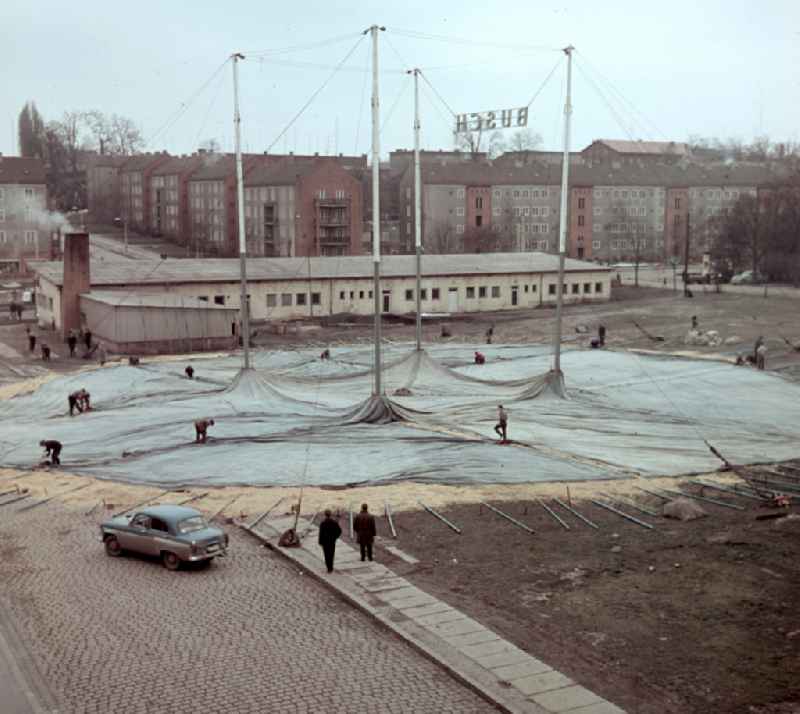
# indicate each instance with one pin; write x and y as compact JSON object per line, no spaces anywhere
{"x":135,"y":195}
{"x":104,"y":193}
{"x":25,"y":225}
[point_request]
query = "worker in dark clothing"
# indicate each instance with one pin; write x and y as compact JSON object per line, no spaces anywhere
{"x":84,"y":401}
{"x":87,"y":339}
{"x":489,"y":334}
{"x":201,"y":427}
{"x":501,"y":428}
{"x":72,"y":342}
{"x":480,"y":358}
{"x":189,"y":372}
{"x":45,"y":352}
{"x":364,"y":528}
{"x":759,"y":342}
{"x":326,"y":354}
{"x":694,"y":322}
{"x":329,"y":532}
{"x":53,"y":449}
{"x":75,"y":402}
{"x":31,"y":339}
{"x":601,"y":335}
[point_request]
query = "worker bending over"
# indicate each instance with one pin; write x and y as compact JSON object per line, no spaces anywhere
{"x":201,"y":427}
{"x":480,"y":358}
{"x":52,"y":449}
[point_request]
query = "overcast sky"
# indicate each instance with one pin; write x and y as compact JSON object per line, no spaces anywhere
{"x":715,"y":68}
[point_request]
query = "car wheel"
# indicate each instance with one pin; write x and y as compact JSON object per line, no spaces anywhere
{"x":170,"y":560}
{"x":113,"y":548}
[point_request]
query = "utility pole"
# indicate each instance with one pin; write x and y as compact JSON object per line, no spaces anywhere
{"x":237,"y":125}
{"x":417,"y":207}
{"x":125,"y":232}
{"x":563,"y":218}
{"x":686,"y":255}
{"x":376,"y":207}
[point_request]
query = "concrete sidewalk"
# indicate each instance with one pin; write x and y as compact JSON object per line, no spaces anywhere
{"x":503,"y":674}
{"x":22,"y":690}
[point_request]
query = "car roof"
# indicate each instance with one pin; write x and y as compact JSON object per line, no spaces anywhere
{"x":170,"y":513}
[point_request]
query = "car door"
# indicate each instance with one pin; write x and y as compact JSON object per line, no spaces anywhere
{"x":136,"y":537}
{"x":161,"y":539}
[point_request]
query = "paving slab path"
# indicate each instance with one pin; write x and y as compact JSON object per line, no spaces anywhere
{"x":499,"y":671}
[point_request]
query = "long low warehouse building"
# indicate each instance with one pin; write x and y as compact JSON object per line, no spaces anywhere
{"x":283,"y":289}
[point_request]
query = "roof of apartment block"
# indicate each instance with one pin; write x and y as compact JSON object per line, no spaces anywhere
{"x":140,"y":272}
{"x":139,"y":162}
{"x":289,"y":169}
{"x":216,"y":167}
{"x":646,"y":173}
{"x":106,"y":160}
{"x":644,"y":147}
{"x":19,"y":169}
{"x":179,"y":165}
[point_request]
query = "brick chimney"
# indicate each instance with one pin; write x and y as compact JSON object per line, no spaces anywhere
{"x":76,"y":280}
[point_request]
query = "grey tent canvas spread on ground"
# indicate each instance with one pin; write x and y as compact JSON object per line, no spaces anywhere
{"x":295,"y":418}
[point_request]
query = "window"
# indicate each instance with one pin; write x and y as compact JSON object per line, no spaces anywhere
{"x":581,"y":220}
{"x":30,"y":237}
{"x":2,"y":194}
{"x":479,"y":202}
{"x":533,"y":288}
{"x":352,"y":294}
{"x":551,"y":289}
{"x":497,"y":193}
{"x":527,"y":211}
{"x":544,"y":193}
{"x":408,"y":192}
{"x":370,"y":295}
{"x":527,"y":287}
{"x":409,"y":294}
{"x":597,"y":227}
{"x":470,"y":293}
{"x":423,"y":294}
{"x":219,"y":299}
{"x":581,"y":203}
{"x":272,"y":299}
{"x":341,"y":294}
{"x":460,"y":211}
{"x":495,"y":291}
{"x":596,"y":210}
{"x":525,"y":193}
{"x":587,"y":287}
{"x":2,"y":236}
{"x":321,"y":193}
{"x":28,"y":193}
{"x":677,"y":203}
{"x":495,"y":210}
{"x":482,"y":292}
{"x":576,"y":288}
{"x":434,"y":293}
{"x":361,"y":294}
{"x":478,"y":221}
{"x":545,"y":211}
{"x":204,"y":298}
{"x":516,"y":194}
{"x":340,"y":195}
{"x":301,"y":298}
{"x":460,"y":193}
{"x":460,"y":228}
{"x":316,"y":298}
{"x":286,"y":299}
{"x":157,"y":524}
{"x":597,"y":193}
{"x":2,"y":214}
{"x":598,"y":287}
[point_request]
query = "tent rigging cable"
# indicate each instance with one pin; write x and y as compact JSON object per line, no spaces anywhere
{"x":414,"y":34}
{"x":316,"y":93}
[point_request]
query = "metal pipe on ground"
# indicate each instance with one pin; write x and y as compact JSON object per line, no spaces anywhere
{"x":191,"y":499}
{"x":55,"y":495}
{"x":705,"y":499}
{"x":267,"y":512}
{"x":627,"y":516}
{"x":553,"y":514}
{"x":575,"y":513}
{"x":724,"y":489}
{"x":224,"y":508}
{"x":141,"y":503}
{"x":388,"y":511}
{"x":509,"y":518}
{"x":629,"y":504}
{"x":440,"y":517}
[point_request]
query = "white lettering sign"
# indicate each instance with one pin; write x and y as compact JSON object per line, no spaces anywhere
{"x":491,"y":120}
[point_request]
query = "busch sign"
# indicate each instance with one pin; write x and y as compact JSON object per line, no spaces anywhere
{"x":498,"y":119}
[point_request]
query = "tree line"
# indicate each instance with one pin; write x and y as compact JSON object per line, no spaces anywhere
{"x":64,"y":144}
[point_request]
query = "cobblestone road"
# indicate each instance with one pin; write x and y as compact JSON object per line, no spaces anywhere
{"x":248,"y":634}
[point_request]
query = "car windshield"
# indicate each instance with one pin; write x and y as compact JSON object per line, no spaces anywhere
{"x":190,"y":525}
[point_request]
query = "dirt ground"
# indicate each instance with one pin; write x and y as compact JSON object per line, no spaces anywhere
{"x":697,"y":616}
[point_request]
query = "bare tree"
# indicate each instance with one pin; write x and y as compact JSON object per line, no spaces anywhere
{"x":211,"y":145}
{"x":524,"y":140}
{"x":629,"y":242}
{"x":442,"y":239}
{"x":112,"y":134}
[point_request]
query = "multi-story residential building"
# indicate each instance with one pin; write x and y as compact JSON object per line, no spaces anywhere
{"x":103,"y":190}
{"x":301,"y":207}
{"x":169,"y":197}
{"x":25,"y":225}
{"x":134,"y":176}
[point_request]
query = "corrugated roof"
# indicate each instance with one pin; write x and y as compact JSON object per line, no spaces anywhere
{"x":127,"y":299}
{"x":19,"y":169}
{"x":222,"y":270}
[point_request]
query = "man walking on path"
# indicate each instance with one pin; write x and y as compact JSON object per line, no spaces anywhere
{"x":200,"y":428}
{"x":72,"y":342}
{"x":329,"y":531}
{"x":53,"y":449}
{"x":761,"y":356}
{"x":364,"y":528}
{"x":501,"y":428}
{"x":31,"y":339}
{"x":87,"y":339}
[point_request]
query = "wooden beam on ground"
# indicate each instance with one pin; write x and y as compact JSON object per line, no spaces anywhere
{"x":224,"y":508}
{"x":517,"y":523}
{"x":705,"y":499}
{"x":553,"y":514}
{"x":191,"y":499}
{"x":629,"y":504}
{"x":725,"y":489}
{"x":576,"y":514}
{"x":387,"y":509}
{"x":440,"y":517}
{"x":141,"y":503}
{"x":14,"y":500}
{"x":55,"y":495}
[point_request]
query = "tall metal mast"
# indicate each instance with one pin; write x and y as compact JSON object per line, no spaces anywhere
{"x":237,"y":122}
{"x":417,"y":207}
{"x":563,"y":218}
{"x":376,"y":208}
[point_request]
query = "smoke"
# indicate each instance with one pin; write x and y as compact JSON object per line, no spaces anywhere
{"x":40,"y":217}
